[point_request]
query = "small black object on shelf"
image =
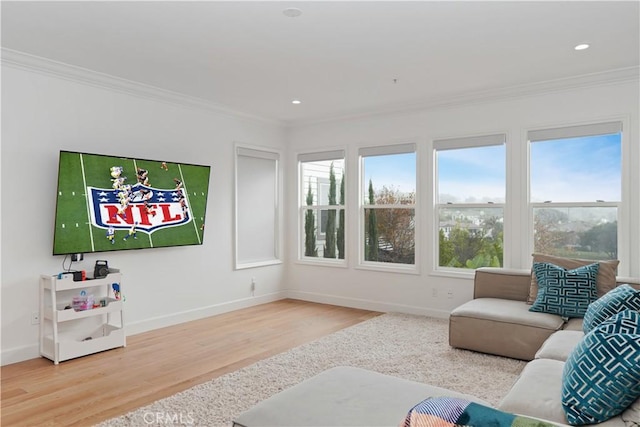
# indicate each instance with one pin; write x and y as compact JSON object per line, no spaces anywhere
{"x":101,"y":269}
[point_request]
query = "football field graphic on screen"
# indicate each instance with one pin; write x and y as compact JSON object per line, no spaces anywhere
{"x":107,"y":203}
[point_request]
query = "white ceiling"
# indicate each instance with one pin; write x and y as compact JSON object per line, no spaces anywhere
{"x":339,"y":58}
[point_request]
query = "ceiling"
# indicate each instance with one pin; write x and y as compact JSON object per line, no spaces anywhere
{"x":339,"y":58}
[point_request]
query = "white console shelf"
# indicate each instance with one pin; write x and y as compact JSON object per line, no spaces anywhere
{"x":65,"y":333}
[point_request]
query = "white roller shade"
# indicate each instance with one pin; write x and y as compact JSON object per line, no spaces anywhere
{"x":575,"y":131}
{"x":320,"y":156}
{"x":385,"y":150}
{"x":260,"y":154}
{"x":469,"y":142}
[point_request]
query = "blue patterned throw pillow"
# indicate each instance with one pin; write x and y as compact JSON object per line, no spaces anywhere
{"x":567,"y":293}
{"x":601,"y":377}
{"x":616,"y":300}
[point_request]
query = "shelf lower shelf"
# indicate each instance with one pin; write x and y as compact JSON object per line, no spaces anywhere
{"x":104,"y":338}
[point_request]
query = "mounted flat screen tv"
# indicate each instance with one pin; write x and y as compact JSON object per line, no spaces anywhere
{"x":110,"y":203}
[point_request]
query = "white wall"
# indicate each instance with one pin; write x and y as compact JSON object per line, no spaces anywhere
{"x":42,"y":114}
{"x":415,"y":293}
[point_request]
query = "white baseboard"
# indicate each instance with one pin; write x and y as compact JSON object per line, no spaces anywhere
{"x":367,"y":304}
{"x":200,"y":313}
{"x":20,"y":354}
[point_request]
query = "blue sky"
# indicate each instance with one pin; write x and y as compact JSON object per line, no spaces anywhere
{"x":472,"y":175}
{"x":397,"y":170}
{"x":577,"y":169}
{"x":568,"y":170}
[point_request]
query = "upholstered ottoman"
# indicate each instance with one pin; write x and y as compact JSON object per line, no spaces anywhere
{"x":343,"y":396}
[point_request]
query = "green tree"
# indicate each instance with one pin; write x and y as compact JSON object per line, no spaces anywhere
{"x":340,"y":232}
{"x":465,"y":248}
{"x":396,"y":226}
{"x":446,"y":250}
{"x":547,"y":237}
{"x":371,"y":252}
{"x":310,"y":227}
{"x":330,"y":242}
{"x":602,"y":238}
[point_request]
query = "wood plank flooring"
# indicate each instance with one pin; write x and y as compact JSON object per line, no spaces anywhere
{"x":157,"y":364}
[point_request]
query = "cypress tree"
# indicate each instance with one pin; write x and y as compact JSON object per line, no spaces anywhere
{"x":372,"y":247}
{"x":330,"y":243}
{"x":340,"y":232}
{"x":309,"y":227}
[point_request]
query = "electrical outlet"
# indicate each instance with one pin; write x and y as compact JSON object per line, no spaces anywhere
{"x":253,"y":284}
{"x":434,"y":293}
{"x":35,"y":318}
{"x":77,"y":257}
{"x":450,"y":294}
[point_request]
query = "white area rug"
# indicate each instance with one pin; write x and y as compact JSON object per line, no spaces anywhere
{"x":411,"y":347}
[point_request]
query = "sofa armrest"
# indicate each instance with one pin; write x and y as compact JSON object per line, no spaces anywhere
{"x":492,"y":282}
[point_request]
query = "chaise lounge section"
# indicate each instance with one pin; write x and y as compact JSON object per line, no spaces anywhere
{"x":498,"y":321}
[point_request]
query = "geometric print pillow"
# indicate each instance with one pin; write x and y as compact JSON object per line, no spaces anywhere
{"x":455,"y":412}
{"x":567,"y":293}
{"x":601,"y":377}
{"x":618,"y":299}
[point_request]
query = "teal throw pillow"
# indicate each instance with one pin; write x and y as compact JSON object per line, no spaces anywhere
{"x":616,"y":300}
{"x":567,"y":293}
{"x":601,"y":377}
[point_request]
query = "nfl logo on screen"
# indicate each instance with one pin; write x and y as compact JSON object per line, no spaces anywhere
{"x":151,"y":208}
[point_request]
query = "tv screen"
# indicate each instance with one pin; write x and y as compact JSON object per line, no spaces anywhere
{"x":110,"y":203}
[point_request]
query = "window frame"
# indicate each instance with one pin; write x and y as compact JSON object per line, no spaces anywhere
{"x":255,"y":152}
{"x":384,"y":150}
{"x":305,"y":157}
{"x":588,"y":129}
{"x":457,"y":143}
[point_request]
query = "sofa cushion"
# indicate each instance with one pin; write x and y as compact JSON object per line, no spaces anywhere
{"x":538,"y":393}
{"x":602,"y":375}
{"x":500,"y":326}
{"x":631,"y":415}
{"x":560,"y":345}
{"x":573,"y":324}
{"x":616,"y":300}
{"x":567,"y":293}
{"x":605,"y":281}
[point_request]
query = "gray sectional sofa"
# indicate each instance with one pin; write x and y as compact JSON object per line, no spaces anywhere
{"x":496,"y":321}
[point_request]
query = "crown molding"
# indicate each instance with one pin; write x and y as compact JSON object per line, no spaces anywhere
{"x":605,"y":78}
{"x":24,"y":61}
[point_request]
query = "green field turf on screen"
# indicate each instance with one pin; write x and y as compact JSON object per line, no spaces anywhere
{"x":73,"y":230}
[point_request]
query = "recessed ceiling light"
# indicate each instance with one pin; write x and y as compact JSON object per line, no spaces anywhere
{"x":292,"y":12}
{"x":296,"y":101}
{"x":582,"y":46}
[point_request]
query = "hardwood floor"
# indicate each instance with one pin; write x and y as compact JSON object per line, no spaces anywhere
{"x":157,"y":364}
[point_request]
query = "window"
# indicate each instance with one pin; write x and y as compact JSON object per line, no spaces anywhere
{"x":575,"y":190}
{"x":322,"y":199}
{"x":257,"y":207}
{"x":470,"y":197}
{"x":388,"y":204}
